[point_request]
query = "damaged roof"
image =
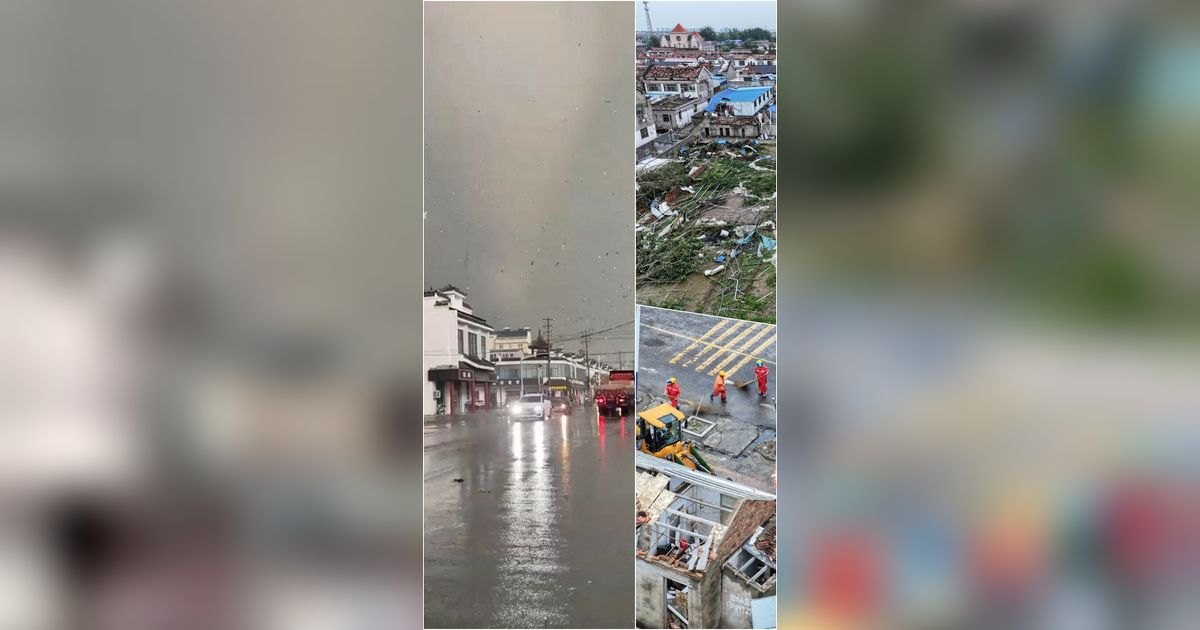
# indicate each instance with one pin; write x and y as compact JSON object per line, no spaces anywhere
{"x":674,"y":101}
{"x":749,"y":517}
{"x":766,"y":540}
{"x":661,"y":72}
{"x":737,"y":95}
{"x":733,"y":120}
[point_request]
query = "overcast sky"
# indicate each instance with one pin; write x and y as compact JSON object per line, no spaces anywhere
{"x":529,"y":163}
{"x":719,"y":15}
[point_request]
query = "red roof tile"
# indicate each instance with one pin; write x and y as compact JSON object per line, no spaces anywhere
{"x":679,"y":29}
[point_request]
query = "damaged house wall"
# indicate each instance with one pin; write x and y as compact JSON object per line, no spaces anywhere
{"x":735,"y":599}
{"x":650,"y":605}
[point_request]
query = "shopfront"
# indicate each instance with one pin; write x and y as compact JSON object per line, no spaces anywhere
{"x":466,"y":389}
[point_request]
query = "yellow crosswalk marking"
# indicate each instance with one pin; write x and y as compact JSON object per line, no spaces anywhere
{"x":763,"y":330}
{"x":757,"y":351}
{"x":715,"y":343}
{"x":732,"y":344}
{"x":697,"y":342}
{"x":689,"y":338}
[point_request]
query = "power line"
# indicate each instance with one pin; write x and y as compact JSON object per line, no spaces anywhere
{"x":596,"y":332}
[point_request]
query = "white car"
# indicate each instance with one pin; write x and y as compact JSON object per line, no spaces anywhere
{"x":528,"y":406}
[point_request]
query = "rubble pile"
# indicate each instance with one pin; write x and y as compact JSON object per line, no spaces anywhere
{"x":711,"y":215}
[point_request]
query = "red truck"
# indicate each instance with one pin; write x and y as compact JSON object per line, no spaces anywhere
{"x":614,"y":396}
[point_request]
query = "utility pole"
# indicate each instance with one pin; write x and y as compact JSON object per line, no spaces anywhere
{"x":587,"y":337}
{"x":549,"y":348}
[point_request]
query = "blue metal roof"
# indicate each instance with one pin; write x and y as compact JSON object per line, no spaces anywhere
{"x":736,"y":95}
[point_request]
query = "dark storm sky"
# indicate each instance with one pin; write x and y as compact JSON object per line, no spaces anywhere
{"x":529,"y":163}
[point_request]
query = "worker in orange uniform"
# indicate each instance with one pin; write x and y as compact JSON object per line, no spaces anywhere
{"x":673,"y":392}
{"x":760,"y":373}
{"x":718,"y":387}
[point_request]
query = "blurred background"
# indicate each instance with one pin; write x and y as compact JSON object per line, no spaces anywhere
{"x":989,"y":328}
{"x":209,"y":272}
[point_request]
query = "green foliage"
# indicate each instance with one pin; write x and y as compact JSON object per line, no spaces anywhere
{"x":746,"y":306}
{"x":730,"y":172}
{"x":658,"y":182}
{"x":677,"y":304}
{"x":745,"y":34}
{"x":708,"y":33}
{"x":668,"y":259}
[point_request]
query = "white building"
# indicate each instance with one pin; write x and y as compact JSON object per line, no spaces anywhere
{"x":690,"y":81}
{"x":540,"y":369}
{"x":455,"y":341}
{"x":511,"y":343}
{"x":680,"y":37}
{"x":645,"y":131}
{"x":745,"y":101}
{"x":739,"y":113}
{"x":675,"y":112}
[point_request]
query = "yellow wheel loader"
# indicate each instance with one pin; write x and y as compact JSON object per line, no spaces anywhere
{"x":658,"y":433}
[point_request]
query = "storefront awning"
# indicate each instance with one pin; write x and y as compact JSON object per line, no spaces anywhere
{"x":464,"y":372}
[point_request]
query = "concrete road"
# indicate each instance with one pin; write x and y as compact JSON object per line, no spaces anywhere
{"x":693,"y":347}
{"x":537,"y":533}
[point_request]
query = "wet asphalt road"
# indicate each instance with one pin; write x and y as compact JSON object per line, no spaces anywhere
{"x":537,"y":534}
{"x":692,"y":347}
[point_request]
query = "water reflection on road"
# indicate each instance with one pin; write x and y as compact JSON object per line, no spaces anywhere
{"x":535,"y":534}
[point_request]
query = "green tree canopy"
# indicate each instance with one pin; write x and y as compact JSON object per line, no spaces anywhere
{"x":744,"y":34}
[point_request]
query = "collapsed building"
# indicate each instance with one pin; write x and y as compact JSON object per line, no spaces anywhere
{"x":738,"y":113}
{"x":705,"y":553}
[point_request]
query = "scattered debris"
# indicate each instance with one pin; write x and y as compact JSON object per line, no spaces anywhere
{"x":717,"y":190}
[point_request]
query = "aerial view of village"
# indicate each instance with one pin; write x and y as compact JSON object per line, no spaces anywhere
{"x":705,"y":429}
{"x":705,"y":134}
